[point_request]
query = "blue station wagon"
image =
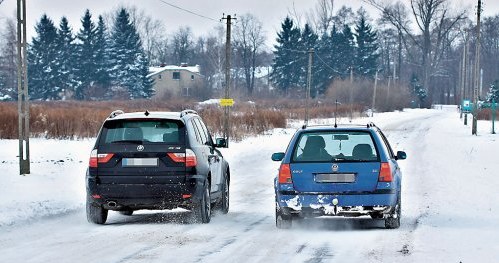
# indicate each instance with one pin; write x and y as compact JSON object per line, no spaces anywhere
{"x":338,"y":171}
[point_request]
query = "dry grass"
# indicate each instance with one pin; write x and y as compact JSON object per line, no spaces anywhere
{"x":76,"y":119}
{"x":486,"y":114}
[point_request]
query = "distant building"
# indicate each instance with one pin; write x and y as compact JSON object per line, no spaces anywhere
{"x":176,"y":81}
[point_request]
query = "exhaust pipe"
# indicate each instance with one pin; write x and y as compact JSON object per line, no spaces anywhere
{"x":112,"y":204}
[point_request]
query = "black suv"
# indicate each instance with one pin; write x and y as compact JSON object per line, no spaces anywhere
{"x":156,"y":160}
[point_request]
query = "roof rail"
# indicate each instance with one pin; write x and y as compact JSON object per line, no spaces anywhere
{"x":115,"y":113}
{"x":187,"y":111}
{"x":371,"y":124}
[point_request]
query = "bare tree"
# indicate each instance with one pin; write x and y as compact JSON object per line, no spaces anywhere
{"x":152,"y":31}
{"x":8,"y":60}
{"x":182,"y":45}
{"x":215,"y":57}
{"x":434,"y":22}
{"x":344,"y":16}
{"x":322,"y":16}
{"x":249,"y":39}
{"x":397,"y":16}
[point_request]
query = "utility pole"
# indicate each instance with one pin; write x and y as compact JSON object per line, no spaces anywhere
{"x":351,"y":93}
{"x":22,"y":89}
{"x":463,"y":76}
{"x":228,"y":49}
{"x":309,"y":82}
{"x":388,"y":91}
{"x":477,"y":70}
{"x":374,"y":93}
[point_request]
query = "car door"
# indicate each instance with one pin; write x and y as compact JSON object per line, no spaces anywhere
{"x":214,"y":157}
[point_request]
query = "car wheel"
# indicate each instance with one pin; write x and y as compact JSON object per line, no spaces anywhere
{"x":126,"y":212}
{"x":95,"y":213}
{"x":202,"y":210}
{"x":281,"y":221}
{"x":224,"y":203}
{"x":393,"y":221}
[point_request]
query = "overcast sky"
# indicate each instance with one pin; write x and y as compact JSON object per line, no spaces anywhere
{"x":270,"y":12}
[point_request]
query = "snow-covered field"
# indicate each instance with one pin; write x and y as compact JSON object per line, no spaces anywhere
{"x":450,"y":206}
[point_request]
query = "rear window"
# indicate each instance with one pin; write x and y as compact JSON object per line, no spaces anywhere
{"x":337,"y":146}
{"x":143,"y":131}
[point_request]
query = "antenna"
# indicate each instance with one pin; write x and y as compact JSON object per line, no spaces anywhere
{"x":335,"y":113}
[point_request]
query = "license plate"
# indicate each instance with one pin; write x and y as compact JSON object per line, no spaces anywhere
{"x":139,"y":162}
{"x":335,"y":178}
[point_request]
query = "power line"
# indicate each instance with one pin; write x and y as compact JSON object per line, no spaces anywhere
{"x":185,"y":10}
{"x":325,"y":64}
{"x":294,"y":50}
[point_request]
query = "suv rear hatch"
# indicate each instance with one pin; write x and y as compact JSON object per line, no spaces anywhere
{"x":142,"y":151}
{"x":337,"y":161}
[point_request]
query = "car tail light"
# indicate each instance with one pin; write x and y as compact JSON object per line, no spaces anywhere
{"x":285,"y":174}
{"x":385,"y":173}
{"x":96,"y":158}
{"x":189,"y":158}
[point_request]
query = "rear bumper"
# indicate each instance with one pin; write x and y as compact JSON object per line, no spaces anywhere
{"x":335,"y":204}
{"x":144,"y":196}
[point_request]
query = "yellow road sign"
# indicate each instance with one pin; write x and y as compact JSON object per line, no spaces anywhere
{"x":226,"y":102}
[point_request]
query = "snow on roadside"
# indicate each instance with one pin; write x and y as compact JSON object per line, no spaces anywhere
{"x":56,"y":184}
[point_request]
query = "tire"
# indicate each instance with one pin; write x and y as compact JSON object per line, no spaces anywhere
{"x":281,"y":221}
{"x":202,"y":210}
{"x":95,"y":213}
{"x":393,"y":222}
{"x":126,"y":212}
{"x":224,"y":203}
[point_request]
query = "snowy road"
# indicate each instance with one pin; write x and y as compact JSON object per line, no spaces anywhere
{"x":450,"y":211}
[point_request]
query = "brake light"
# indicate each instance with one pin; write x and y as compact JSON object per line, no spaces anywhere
{"x":285,"y":174}
{"x":189,"y":158}
{"x":96,"y":158}
{"x":385,"y":173}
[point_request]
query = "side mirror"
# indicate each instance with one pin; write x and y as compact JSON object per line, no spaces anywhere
{"x":401,"y":155}
{"x":221,"y":143}
{"x":277,"y":156}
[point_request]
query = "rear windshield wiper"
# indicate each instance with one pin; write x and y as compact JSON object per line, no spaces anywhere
{"x":129,"y":141}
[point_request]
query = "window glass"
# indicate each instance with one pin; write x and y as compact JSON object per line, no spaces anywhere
{"x":204,"y":138}
{"x":176,"y":75}
{"x":144,"y":131}
{"x":387,"y":145}
{"x":196,"y":131}
{"x":205,"y":130}
{"x":337,"y":146}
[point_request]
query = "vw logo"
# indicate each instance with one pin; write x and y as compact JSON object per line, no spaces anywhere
{"x":140,"y":148}
{"x":335,"y":167}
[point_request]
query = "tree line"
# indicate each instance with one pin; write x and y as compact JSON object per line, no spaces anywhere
{"x":91,"y":64}
{"x":425,"y":47}
{"x":338,"y":54}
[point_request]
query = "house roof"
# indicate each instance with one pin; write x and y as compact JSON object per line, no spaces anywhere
{"x":156,"y":70}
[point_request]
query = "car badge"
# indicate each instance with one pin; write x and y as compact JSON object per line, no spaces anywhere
{"x":140,"y":148}
{"x":335,"y":167}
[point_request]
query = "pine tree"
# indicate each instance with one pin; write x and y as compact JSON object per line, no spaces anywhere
{"x":101,"y":58}
{"x":493,"y":94}
{"x":66,"y":59}
{"x":85,"y":69}
{"x":325,"y":71}
{"x":42,"y":61}
{"x":346,"y":51}
{"x":367,"y":48}
{"x":129,"y":63}
{"x":418,"y":89}
{"x":3,"y":88}
{"x":308,"y":40}
{"x":286,"y":68}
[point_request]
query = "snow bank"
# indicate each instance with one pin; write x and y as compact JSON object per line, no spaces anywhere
{"x":56,"y":184}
